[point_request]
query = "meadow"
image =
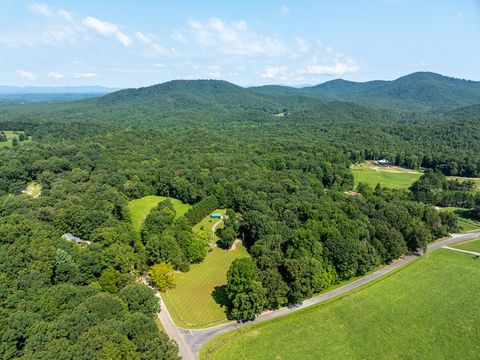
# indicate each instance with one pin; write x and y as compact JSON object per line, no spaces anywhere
{"x":401,"y":316}
{"x":198,"y":298}
{"x":33,"y":189}
{"x":140,"y":208}
{"x":391,"y":177}
{"x":10,"y":135}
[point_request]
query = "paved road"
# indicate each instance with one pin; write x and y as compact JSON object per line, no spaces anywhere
{"x":191,"y":340}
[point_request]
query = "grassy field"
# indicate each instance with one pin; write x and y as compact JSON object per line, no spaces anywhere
{"x":471,"y":245}
{"x":207,"y":222}
{"x":140,"y":208}
{"x":10,"y":135}
{"x":401,"y":316}
{"x":196,"y":301}
{"x":391,"y":177}
{"x":33,"y":189}
{"x":466,"y":223}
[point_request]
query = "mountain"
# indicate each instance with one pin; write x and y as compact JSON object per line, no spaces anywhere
{"x":417,"y":91}
{"x":191,"y":93}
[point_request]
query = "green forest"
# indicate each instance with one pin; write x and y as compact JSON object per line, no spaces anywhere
{"x":286,"y":182}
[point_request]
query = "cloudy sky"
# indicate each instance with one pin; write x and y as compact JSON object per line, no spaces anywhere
{"x":143,"y":42}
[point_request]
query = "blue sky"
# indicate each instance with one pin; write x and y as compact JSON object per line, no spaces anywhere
{"x":143,"y":42}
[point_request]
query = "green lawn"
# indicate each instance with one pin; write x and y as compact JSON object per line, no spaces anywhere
{"x":207,"y":222}
{"x":391,"y":177}
{"x":465,"y":221}
{"x":196,"y":300}
{"x":471,"y":245}
{"x":140,"y":208}
{"x":417,"y":312}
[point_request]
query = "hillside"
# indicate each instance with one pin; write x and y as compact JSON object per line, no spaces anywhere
{"x":418,"y":91}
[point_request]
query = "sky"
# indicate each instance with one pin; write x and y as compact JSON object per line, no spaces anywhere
{"x":144,"y":42}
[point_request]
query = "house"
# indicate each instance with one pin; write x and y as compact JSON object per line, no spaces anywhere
{"x":216,"y":216}
{"x":383,"y":162}
{"x":70,"y":237}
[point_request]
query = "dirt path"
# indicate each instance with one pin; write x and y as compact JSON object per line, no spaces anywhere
{"x":215,"y":225}
{"x":190,"y":341}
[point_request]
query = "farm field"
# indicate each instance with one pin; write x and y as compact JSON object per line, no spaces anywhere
{"x":140,"y":208}
{"x":465,"y":222}
{"x":391,"y":177}
{"x":207,"y":222}
{"x":401,"y":316}
{"x":475,"y":180}
{"x":472,"y":245}
{"x":192,"y":303}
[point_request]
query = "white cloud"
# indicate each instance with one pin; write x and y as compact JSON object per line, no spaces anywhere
{"x":284,"y":9}
{"x":338,"y":68}
{"x":179,"y":37}
{"x":83,"y":75}
{"x":274,"y":72}
{"x":26,"y":74}
{"x":65,"y":15}
{"x":40,"y":9}
{"x":124,"y":39}
{"x":215,"y":74}
{"x":55,"y":75}
{"x":107,"y":29}
{"x":143,"y":38}
{"x":102,"y":27}
{"x":303,"y":45}
{"x":234,"y":38}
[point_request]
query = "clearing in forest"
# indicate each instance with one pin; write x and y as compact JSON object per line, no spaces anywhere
{"x":33,"y":189}
{"x":10,"y":135}
{"x":140,"y":208}
{"x":199,"y":299}
{"x":388,"y":176}
{"x":401,"y":316}
{"x":208,"y":222}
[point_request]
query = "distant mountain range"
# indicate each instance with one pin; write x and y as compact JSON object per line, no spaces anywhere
{"x":16,"y":90}
{"x":420,"y":91}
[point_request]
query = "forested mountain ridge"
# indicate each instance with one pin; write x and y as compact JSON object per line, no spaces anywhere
{"x":416,"y":91}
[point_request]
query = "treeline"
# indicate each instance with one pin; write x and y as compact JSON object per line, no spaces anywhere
{"x":201,"y":209}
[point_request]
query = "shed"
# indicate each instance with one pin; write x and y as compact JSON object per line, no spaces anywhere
{"x":383,"y":162}
{"x":216,"y":216}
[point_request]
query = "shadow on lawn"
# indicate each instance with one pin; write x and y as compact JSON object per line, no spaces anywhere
{"x":219,"y":294}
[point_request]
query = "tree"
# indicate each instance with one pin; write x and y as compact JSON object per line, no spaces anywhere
{"x":141,"y":298}
{"x":245,"y":292}
{"x":163,"y":276}
{"x":109,"y":280}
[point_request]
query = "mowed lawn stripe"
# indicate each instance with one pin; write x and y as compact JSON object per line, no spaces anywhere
{"x":426,"y":310}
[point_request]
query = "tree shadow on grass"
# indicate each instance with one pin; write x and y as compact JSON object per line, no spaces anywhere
{"x":219,"y":294}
